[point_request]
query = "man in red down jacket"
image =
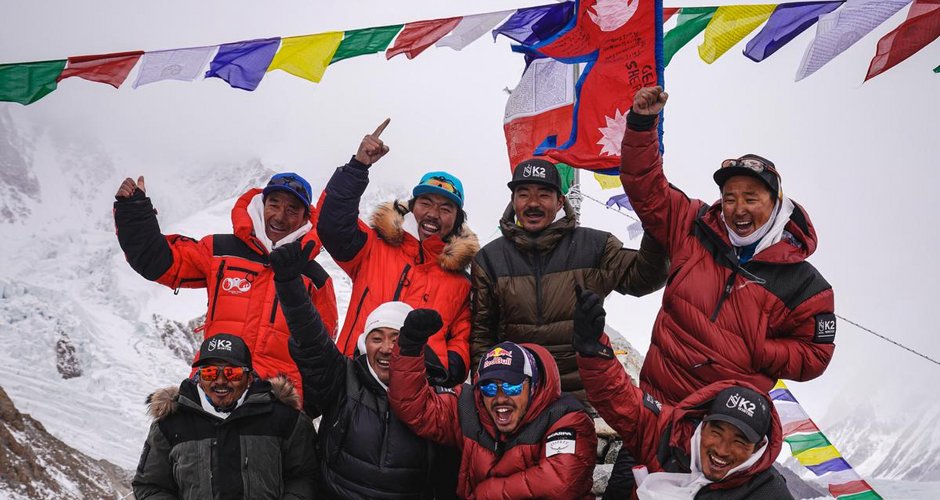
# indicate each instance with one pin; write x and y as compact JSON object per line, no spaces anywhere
{"x":415,"y":252}
{"x":233,"y":268}
{"x":518,"y":436}
{"x":720,"y":442}
{"x":741,"y":302}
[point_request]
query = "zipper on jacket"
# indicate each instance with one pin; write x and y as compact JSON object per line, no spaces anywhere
{"x":242,"y":269}
{"x":538,"y":289}
{"x":274,"y":309}
{"x":356,"y":317}
{"x":384,"y":449}
{"x":402,"y":280}
{"x":247,"y":477}
{"x":729,"y":285}
{"x":218,"y":284}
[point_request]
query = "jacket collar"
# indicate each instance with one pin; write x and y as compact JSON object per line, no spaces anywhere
{"x":243,"y":226}
{"x":168,"y":400}
{"x":798,"y":244}
{"x":541,"y":241}
{"x":454,"y":255}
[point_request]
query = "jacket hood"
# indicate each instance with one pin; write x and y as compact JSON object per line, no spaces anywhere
{"x":786,"y":251}
{"x":244,"y":228}
{"x":543,"y":240}
{"x":547,"y":391}
{"x":164,"y":402}
{"x":455,"y":255}
{"x":691,"y":410}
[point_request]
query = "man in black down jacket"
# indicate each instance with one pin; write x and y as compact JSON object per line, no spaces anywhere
{"x":366,"y":452}
{"x":227,"y":435}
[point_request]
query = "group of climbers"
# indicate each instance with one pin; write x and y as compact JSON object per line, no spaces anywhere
{"x":444,"y":384}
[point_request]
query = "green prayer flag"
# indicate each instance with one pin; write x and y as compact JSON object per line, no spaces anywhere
{"x":865,"y":495}
{"x":566,"y":175}
{"x":937,"y":69}
{"x":691,"y":22}
{"x":365,"y":41}
{"x":27,"y":83}
{"x":802,"y":442}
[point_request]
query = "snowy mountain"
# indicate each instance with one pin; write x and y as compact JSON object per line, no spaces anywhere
{"x":37,"y":465}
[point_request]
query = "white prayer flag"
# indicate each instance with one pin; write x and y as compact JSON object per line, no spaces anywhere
{"x":635,"y":229}
{"x":840,"y":29}
{"x":471,"y":28}
{"x":179,"y":64}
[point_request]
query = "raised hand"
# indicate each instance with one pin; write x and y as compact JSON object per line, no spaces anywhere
{"x":372,"y":148}
{"x":649,"y":100}
{"x":289,"y":261}
{"x":128,"y":188}
{"x":419,"y":325}
{"x":589,"y":320}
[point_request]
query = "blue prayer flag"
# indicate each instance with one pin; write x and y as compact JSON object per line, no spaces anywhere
{"x":242,"y":64}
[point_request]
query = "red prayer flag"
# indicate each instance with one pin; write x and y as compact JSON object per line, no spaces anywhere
{"x":921,"y":27}
{"x":669,"y":12}
{"x":417,"y":36}
{"x":104,"y":68}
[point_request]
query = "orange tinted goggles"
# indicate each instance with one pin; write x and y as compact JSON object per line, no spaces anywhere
{"x":210,"y":373}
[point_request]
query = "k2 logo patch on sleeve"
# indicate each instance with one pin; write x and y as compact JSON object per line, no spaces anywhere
{"x":560,"y":441}
{"x":825,"y":329}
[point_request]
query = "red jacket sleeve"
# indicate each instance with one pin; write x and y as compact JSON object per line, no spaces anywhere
{"x":430,"y":415}
{"x":561,"y":475}
{"x":663,"y":209}
{"x":191,"y":264}
{"x":793,"y":353}
{"x":619,"y":402}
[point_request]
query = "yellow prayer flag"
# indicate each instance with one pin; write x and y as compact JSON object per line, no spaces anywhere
{"x":307,"y":56}
{"x":608,"y":181}
{"x":816,"y":456}
{"x":779,"y":384}
{"x":728,"y":26}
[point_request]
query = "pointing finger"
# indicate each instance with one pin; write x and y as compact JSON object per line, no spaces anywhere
{"x":381,"y":128}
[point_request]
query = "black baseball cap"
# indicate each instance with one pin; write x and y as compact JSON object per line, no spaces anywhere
{"x":536,"y":171}
{"x":750,"y":165}
{"x":507,"y":362}
{"x":224,"y":347}
{"x":743,"y":408}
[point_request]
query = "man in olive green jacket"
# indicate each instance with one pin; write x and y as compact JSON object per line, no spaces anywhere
{"x":524,"y":282}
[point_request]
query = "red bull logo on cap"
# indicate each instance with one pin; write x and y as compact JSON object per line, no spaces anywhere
{"x":498,"y":356}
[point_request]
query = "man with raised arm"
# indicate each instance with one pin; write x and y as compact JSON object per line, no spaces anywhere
{"x":719,"y":442}
{"x":522,"y":281}
{"x":518,"y":436}
{"x":415,"y":251}
{"x":742,"y":302}
{"x":233,"y":268}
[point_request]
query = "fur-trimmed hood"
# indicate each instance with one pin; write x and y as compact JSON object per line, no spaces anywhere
{"x":165,"y":401}
{"x":455,"y":255}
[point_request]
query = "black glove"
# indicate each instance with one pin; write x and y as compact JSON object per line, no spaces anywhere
{"x":589,"y":318}
{"x":290,"y":260}
{"x":419,"y":325}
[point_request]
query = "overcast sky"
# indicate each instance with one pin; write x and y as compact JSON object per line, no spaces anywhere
{"x":861,"y":158}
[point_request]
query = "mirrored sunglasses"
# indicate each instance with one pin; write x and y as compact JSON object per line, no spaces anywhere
{"x":210,"y":373}
{"x":749,"y":163}
{"x":489,"y":390}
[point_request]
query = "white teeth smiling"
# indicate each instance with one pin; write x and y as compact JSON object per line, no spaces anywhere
{"x":720,"y":464}
{"x":382,"y":362}
{"x":430,"y":227}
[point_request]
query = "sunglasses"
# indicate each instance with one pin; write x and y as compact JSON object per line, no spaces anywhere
{"x":748,"y":163}
{"x":444,"y":184}
{"x":489,"y":390}
{"x":291,"y":183}
{"x":210,"y":373}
